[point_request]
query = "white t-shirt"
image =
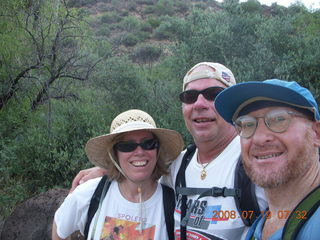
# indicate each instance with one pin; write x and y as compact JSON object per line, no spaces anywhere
{"x":118,"y":217}
{"x":212,"y":216}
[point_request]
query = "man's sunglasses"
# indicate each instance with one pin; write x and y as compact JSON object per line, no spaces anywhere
{"x":191,"y":96}
{"x":130,"y":146}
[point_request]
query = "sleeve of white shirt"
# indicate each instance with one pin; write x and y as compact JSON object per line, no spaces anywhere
{"x":71,"y":216}
{"x":170,"y":179}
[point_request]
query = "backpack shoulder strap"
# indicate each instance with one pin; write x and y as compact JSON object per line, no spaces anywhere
{"x":246,"y":201}
{"x":301,"y":214}
{"x":168,"y":205}
{"x":181,"y":181}
{"x":94,"y":203}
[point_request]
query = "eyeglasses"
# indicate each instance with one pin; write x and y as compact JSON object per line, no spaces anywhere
{"x":130,"y":146}
{"x":276,"y":120}
{"x":191,"y":96}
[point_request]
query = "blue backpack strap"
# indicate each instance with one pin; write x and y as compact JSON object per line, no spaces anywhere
{"x":94,"y":203}
{"x":246,"y":201}
{"x":250,"y":233}
{"x":301,"y":214}
{"x":181,"y":182}
{"x":168,"y":205}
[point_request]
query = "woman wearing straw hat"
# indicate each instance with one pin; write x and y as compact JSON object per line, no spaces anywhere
{"x":136,"y":154}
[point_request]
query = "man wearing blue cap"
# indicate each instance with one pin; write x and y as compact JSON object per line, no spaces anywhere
{"x":278,"y":122}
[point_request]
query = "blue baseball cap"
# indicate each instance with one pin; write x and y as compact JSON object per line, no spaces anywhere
{"x":233,"y":99}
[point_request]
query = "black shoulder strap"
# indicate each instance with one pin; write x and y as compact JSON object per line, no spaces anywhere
{"x":94,"y":203}
{"x":169,"y":204}
{"x":246,"y":201}
{"x":243,"y":192}
{"x":181,"y":181}
{"x":301,"y":214}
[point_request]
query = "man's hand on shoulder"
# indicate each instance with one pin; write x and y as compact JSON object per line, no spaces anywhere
{"x":87,"y":174}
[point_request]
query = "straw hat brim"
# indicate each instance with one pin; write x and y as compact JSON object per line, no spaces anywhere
{"x":171,"y":144}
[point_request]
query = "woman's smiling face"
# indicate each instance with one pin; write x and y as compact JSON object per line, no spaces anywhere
{"x":139,"y":164}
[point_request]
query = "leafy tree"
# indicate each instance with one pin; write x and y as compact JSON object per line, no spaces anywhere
{"x":252,"y":6}
{"x":123,"y":85}
{"x":170,"y":28}
{"x":45,"y":56}
{"x":44,"y":154}
{"x":79,"y":81}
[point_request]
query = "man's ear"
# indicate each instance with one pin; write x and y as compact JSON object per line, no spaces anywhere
{"x":316,"y":129}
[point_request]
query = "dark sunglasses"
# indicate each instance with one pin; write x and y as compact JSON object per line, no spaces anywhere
{"x":191,"y":96}
{"x":129,"y":146}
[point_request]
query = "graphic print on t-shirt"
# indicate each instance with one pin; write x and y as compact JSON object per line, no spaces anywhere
{"x":120,"y":229}
{"x":201,"y":216}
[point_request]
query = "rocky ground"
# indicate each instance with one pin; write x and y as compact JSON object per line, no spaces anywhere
{"x":32,"y":219}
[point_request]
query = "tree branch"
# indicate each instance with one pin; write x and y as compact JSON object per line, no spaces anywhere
{"x":4,"y":98}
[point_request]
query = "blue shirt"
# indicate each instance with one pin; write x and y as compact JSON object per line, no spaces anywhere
{"x":309,"y":231}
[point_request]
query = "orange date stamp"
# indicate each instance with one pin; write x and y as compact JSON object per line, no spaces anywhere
{"x":281,"y":214}
{"x":284,"y":214}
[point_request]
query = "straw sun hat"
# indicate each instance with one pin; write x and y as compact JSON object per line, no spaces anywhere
{"x":171,"y":143}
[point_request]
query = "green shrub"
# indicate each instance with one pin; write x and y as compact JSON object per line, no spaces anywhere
{"x":142,"y":36}
{"x":132,"y":6}
{"x":129,"y":39}
{"x":154,"y":22}
{"x":103,"y":7}
{"x":117,"y":5}
{"x":149,"y":10}
{"x":164,"y":7}
{"x":124,"y":13}
{"x":49,"y":149}
{"x":146,"y":53}
{"x":110,"y":17}
{"x":103,"y":30}
{"x":130,"y":24}
{"x":182,"y":6}
{"x":123,"y":84}
{"x":80,"y":3}
{"x":146,"y":2}
{"x":162,"y":33}
{"x":169,"y":28}
{"x":201,"y":6}
{"x":252,"y":6}
{"x":146,"y":27}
